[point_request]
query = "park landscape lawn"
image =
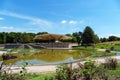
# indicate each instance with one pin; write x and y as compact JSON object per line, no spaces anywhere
{"x":111,"y":73}
{"x":42,"y":76}
{"x":116,"y":46}
{"x":94,"y":53}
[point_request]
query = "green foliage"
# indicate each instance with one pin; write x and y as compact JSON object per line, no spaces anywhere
{"x":86,"y":71}
{"x":41,"y":76}
{"x":101,"y":54}
{"x":78,"y":36}
{"x":8,"y":75}
{"x":74,"y":39}
{"x":62,"y":72}
{"x":113,"y":38}
{"x":39,"y":33}
{"x":88,"y":37}
{"x":110,"y":38}
{"x":16,"y":37}
{"x":91,"y":71}
{"x":3,"y":37}
{"x":111,"y":63}
{"x":96,"y":39}
{"x":115,"y":47}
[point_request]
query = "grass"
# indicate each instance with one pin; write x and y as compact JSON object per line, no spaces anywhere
{"x":45,"y":76}
{"x":115,"y":72}
{"x":94,"y":53}
{"x":101,"y":54}
{"x":108,"y":46}
{"x":112,"y":74}
{"x":89,"y":48}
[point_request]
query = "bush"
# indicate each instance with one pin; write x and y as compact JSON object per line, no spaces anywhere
{"x":111,"y":63}
{"x":63,"y":72}
{"x":86,"y":71}
{"x":102,"y":47}
{"x":6,"y":73}
{"x":112,"y":48}
{"x":108,"y":51}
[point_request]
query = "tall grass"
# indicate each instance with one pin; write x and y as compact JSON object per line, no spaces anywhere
{"x":111,"y":63}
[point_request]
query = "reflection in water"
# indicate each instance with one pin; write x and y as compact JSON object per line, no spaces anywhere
{"x":39,"y":62}
{"x":118,"y":54}
{"x":46,"y":56}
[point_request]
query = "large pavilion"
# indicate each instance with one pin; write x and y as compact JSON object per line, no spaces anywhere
{"x":53,"y":40}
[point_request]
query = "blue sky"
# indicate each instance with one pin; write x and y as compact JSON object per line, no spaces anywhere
{"x":60,"y":16}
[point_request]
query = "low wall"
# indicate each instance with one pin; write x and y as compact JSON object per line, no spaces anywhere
{"x":38,"y":46}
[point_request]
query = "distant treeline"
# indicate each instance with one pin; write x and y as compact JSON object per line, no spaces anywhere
{"x":110,"y":38}
{"x":18,"y":37}
{"x":86,"y":37}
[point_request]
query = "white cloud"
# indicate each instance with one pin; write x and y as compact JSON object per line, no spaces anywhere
{"x":118,"y":35}
{"x":72,"y":22}
{"x":63,"y":21}
{"x":37,"y":24}
{"x":33,"y":20}
{"x":1,"y":18}
{"x":7,"y":27}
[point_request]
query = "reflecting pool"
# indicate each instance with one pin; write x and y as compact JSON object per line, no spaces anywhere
{"x":45,"y":56}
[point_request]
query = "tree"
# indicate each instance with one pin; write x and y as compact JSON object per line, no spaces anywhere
{"x":88,"y":36}
{"x":26,"y":38}
{"x":103,"y":39}
{"x":3,"y":37}
{"x":11,"y":37}
{"x":68,"y":35}
{"x":39,"y":33}
{"x":78,"y":36}
{"x":113,"y":38}
{"x":96,"y":39}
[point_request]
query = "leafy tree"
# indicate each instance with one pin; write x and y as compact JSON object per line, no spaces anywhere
{"x":78,"y":36}
{"x":11,"y":37}
{"x":73,"y":39}
{"x":32,"y":35}
{"x":26,"y":38}
{"x":113,"y":38}
{"x":96,"y":39}
{"x":103,"y":39}
{"x":18,"y":37}
{"x":88,"y":36}
{"x":3,"y":37}
{"x":39,"y":33}
{"x":68,"y":35}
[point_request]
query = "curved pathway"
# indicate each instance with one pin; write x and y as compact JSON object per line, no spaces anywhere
{"x":52,"y":68}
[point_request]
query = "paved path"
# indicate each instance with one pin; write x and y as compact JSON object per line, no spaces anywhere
{"x":52,"y":68}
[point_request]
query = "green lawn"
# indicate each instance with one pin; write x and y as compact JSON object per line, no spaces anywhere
{"x":108,"y":46}
{"x":42,"y":76}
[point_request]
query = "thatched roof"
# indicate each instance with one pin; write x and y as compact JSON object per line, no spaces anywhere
{"x":48,"y":37}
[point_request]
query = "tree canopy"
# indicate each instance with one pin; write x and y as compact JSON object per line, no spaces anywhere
{"x":88,"y":37}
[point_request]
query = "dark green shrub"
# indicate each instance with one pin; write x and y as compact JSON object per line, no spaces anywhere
{"x":112,"y":48}
{"x":111,"y":63}
{"x":102,"y":47}
{"x":62,"y":72}
{"x":86,"y":71}
{"x":108,"y":51}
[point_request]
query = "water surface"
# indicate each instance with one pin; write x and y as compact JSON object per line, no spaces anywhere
{"x":45,"y":56}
